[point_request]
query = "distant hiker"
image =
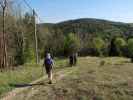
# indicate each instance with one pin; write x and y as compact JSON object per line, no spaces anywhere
{"x":48,"y":62}
{"x":131,"y":58}
{"x":75,"y":56}
{"x":73,"y":59}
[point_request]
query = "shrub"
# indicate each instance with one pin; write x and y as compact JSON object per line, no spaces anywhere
{"x":99,"y":44}
{"x":120,"y":44}
{"x":29,"y":55}
{"x":130,"y":48}
{"x":71,"y":43}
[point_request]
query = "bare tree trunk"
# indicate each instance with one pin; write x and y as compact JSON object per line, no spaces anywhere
{"x":36,"y":40}
{"x":3,"y":59}
{"x":4,"y":39}
{"x":1,"y":51}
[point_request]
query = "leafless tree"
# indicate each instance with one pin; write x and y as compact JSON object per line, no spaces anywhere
{"x":3,"y":59}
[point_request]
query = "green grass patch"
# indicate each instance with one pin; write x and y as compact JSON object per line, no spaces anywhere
{"x":21,"y":75}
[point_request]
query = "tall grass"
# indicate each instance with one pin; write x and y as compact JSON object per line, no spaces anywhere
{"x":21,"y":75}
{"x":25,"y":74}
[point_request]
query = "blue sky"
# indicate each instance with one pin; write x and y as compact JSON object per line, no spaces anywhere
{"x":60,"y":10}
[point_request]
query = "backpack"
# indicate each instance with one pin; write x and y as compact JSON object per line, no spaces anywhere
{"x":48,"y":61}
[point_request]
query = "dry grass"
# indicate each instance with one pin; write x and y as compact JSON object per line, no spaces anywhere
{"x":89,"y":80}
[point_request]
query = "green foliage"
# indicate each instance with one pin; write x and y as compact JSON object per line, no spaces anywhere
{"x":19,"y":54}
{"x":130,"y":46}
{"x":99,"y":45}
{"x":88,"y":29}
{"x":19,"y":57}
{"x":120,"y":43}
{"x":71,"y":43}
{"x":29,"y":40}
{"x":29,"y":55}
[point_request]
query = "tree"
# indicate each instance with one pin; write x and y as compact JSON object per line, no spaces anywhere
{"x":112,"y":48}
{"x":29,"y":46}
{"x":99,"y":45}
{"x":3,"y":59}
{"x":35,"y":38}
{"x":19,"y":53}
{"x":71,"y":43}
{"x":130,"y":48}
{"x":120,"y":43}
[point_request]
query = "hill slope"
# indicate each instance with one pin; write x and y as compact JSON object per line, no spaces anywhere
{"x":86,"y":26}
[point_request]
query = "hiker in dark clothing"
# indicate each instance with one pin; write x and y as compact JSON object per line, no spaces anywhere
{"x":131,"y":58}
{"x":48,"y":62}
{"x":73,"y":59}
{"x":75,"y":56}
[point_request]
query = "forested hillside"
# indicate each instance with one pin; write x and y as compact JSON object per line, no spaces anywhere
{"x":86,"y":29}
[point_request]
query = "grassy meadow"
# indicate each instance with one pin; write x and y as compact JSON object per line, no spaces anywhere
{"x":92,"y":79}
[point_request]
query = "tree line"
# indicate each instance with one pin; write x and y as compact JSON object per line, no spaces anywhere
{"x":90,"y":37}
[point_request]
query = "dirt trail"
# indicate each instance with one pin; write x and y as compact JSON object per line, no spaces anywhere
{"x":11,"y":95}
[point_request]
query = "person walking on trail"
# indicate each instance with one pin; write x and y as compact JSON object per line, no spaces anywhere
{"x":73,"y":59}
{"x":48,"y":62}
{"x":75,"y":56}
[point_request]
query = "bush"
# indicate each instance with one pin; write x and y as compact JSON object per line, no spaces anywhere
{"x":71,"y":43}
{"x":99,"y":45}
{"x":120,"y":44}
{"x":130,"y":48}
{"x":29,"y":55}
